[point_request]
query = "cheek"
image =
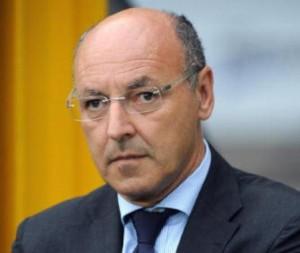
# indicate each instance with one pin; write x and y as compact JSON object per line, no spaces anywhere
{"x":162,"y":136}
{"x":175,"y":131}
{"x":96,"y":141}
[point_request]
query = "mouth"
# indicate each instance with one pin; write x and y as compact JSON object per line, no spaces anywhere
{"x":127,"y":157}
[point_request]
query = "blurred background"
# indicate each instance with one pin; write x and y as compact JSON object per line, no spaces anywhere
{"x":252,"y":46}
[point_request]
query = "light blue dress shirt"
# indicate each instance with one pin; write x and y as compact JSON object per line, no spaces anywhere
{"x":182,"y":199}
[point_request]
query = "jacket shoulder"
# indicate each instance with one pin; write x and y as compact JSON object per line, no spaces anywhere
{"x":75,"y":210}
{"x":49,"y":226}
{"x":259,"y":190}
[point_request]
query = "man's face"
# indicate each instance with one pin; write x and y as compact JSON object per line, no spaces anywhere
{"x":142,"y":156}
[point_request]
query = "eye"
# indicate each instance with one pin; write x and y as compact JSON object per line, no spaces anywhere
{"x":95,"y":104}
{"x":144,"y":97}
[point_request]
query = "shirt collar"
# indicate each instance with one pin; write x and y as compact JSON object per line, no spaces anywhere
{"x":183,"y":197}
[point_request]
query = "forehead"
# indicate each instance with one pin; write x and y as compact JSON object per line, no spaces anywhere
{"x":120,"y":76}
{"x":124,"y":50}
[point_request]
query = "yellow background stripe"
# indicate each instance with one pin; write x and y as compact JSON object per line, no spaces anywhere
{"x":44,"y":158}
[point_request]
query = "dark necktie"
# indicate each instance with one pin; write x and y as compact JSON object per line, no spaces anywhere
{"x":148,"y":226}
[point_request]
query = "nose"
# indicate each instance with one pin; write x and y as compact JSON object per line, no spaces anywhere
{"x":119,"y":125}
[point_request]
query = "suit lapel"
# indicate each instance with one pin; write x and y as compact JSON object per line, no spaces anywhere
{"x":102,"y":231}
{"x":211,"y":226}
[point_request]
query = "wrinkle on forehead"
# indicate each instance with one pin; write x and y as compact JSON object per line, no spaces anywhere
{"x":110,"y":70}
{"x":131,"y":64}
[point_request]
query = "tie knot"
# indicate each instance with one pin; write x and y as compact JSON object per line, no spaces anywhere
{"x":149,"y":224}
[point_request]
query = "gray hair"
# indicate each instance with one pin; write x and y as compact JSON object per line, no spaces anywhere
{"x":192,"y":46}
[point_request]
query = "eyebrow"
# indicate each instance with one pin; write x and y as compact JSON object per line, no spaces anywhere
{"x":135,"y":84}
{"x":92,"y":92}
{"x":140,"y":82}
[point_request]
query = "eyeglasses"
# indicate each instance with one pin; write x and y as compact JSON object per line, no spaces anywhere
{"x":139,"y":100}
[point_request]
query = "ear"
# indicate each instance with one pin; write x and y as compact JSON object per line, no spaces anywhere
{"x":204,"y":92}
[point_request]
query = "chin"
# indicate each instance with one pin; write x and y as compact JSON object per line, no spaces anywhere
{"x":138,"y":193}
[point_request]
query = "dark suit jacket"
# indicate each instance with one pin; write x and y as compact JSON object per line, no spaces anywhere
{"x":235,"y":212}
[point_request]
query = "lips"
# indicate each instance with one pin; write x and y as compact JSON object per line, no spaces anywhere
{"x":126,"y":157}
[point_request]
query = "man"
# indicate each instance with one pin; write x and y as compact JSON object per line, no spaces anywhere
{"x":142,"y":89}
